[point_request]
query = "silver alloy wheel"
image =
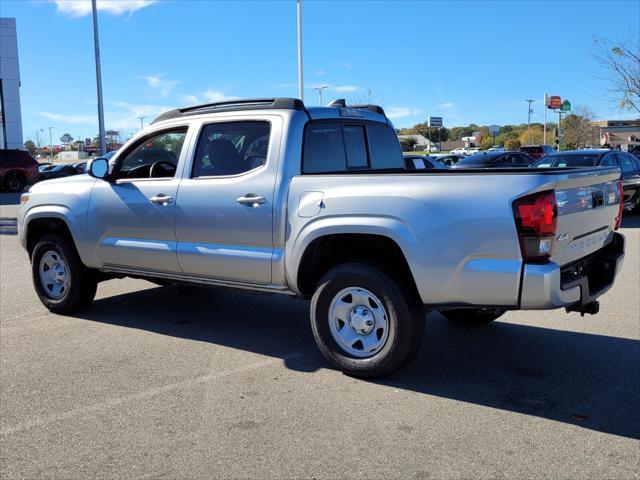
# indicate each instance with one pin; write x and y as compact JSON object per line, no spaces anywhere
{"x":54,"y":274}
{"x":358,"y":322}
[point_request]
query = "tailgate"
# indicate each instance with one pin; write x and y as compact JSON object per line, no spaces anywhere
{"x":588,"y":204}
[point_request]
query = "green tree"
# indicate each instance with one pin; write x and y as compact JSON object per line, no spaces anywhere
{"x":31,"y":147}
{"x":487,"y":142}
{"x":578,"y":131}
{"x":512,"y":144}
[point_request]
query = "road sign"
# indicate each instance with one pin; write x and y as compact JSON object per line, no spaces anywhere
{"x":566,"y":106}
{"x":66,"y":138}
{"x":494,"y":129}
{"x":561,"y":132}
{"x":554,"y":102}
{"x":435,"y":121}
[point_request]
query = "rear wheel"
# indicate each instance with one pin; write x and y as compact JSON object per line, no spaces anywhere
{"x":471,"y":316}
{"x":362,"y":322}
{"x":63,"y":284}
{"x":14,"y":182}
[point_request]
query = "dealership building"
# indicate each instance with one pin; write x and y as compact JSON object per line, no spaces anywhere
{"x":10,"y":113}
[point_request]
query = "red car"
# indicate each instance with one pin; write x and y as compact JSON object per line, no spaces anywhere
{"x":17,"y":170}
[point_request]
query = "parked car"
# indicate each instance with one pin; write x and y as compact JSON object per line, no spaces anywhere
{"x":422,"y":162}
{"x":434,"y":148}
{"x":326,"y":211}
{"x":458,"y":151}
{"x":449,"y":159}
{"x":17,"y":170}
{"x":628,"y":164}
{"x":497,"y":148}
{"x":472,"y":151}
{"x":62,"y":170}
{"x":537,"y":151}
{"x":496,"y":160}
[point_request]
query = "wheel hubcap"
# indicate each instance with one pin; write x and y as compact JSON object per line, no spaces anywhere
{"x":54,"y":274}
{"x":358,"y":322}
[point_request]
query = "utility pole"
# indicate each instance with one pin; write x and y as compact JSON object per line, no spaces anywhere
{"x":320,"y":89}
{"x":50,"y":143}
{"x":141,"y":122}
{"x":544,"y":129}
{"x":529,"y":120}
{"x":96,"y":46}
{"x":300,"y":81}
{"x":559,"y":126}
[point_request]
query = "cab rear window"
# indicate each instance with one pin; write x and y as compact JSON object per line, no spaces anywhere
{"x":334,"y":147}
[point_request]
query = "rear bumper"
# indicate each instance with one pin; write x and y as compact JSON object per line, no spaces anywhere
{"x":549,"y":286}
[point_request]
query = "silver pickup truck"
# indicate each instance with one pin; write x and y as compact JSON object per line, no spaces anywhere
{"x":316,"y":202}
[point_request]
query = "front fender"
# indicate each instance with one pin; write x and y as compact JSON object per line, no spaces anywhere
{"x":386,"y":226}
{"x":75,"y":223}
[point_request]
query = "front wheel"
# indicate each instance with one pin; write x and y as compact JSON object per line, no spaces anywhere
{"x":362,"y":322}
{"x":63,"y":284}
{"x":472,"y":316}
{"x":14,"y":183}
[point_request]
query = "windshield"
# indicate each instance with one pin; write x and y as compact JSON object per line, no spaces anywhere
{"x":582,"y":160}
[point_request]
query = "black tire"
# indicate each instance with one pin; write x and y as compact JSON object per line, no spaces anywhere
{"x":14,"y":182}
{"x":82,"y":281}
{"x":406,"y":322}
{"x":471,"y":316}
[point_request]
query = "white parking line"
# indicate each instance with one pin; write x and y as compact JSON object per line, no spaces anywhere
{"x":38,"y":422}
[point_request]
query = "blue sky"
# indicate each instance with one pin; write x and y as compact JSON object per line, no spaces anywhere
{"x":468,"y":61}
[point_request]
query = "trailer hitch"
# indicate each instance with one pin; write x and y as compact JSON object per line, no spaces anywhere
{"x":591,"y":308}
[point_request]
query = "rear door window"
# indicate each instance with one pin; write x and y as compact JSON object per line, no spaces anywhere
{"x":609,"y":161}
{"x":627,"y":162}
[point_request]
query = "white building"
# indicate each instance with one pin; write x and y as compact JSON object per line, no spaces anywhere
{"x":10,"y":113}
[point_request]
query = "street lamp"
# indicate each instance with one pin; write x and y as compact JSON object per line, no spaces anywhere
{"x":50,"y":143}
{"x":96,"y":46}
{"x":141,"y":122}
{"x":320,"y":89}
{"x":300,"y":81}
{"x":529,"y":120}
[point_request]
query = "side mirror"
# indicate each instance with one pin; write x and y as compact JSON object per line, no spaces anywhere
{"x":98,"y":168}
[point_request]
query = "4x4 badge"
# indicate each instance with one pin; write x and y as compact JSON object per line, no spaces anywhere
{"x":562,"y":237}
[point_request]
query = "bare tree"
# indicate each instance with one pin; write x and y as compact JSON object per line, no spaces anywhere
{"x":578,"y":131}
{"x":621,"y":61}
{"x":365,"y":97}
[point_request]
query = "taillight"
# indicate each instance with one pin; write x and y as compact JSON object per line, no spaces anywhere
{"x":621,"y":195}
{"x":536,"y":219}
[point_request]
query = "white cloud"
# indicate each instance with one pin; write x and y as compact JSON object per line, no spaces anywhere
{"x":72,"y":119}
{"x":447,"y":107}
{"x":286,"y":85}
{"x":210,"y":95}
{"x":80,"y":8}
{"x":401,"y":112}
{"x":320,"y":72}
{"x":161,"y":86}
{"x":346,"y":88}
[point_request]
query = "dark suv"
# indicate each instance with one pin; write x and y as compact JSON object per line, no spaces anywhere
{"x":537,"y":151}
{"x":17,"y":170}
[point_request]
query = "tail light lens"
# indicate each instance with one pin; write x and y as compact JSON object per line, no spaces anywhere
{"x":536,"y":219}
{"x":621,"y":195}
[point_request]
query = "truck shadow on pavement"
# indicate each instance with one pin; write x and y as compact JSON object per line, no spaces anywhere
{"x":590,"y":381}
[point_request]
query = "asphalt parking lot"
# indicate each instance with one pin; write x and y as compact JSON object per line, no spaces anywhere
{"x":166,"y":382}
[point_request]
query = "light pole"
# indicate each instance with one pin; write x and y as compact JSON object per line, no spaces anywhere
{"x":96,"y":46}
{"x":300,"y":81}
{"x":529,"y":120}
{"x":320,"y":89}
{"x":544,"y":130}
{"x":141,"y":122}
{"x":50,"y":143}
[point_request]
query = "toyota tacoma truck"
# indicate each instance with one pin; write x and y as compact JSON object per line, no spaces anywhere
{"x":272,"y":196}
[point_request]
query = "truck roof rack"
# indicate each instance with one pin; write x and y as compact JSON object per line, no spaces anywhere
{"x":229,"y":105}
{"x":341,"y":103}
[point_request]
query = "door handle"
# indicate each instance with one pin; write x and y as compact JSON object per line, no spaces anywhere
{"x":161,"y":199}
{"x":251,"y":200}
